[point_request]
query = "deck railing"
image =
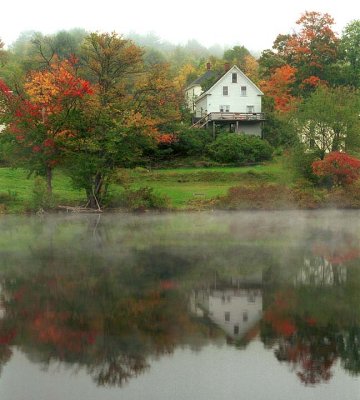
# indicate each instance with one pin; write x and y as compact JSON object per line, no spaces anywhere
{"x":228,"y":116}
{"x":235,"y":116}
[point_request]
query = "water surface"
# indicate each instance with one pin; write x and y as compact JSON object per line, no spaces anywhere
{"x":203,"y":305}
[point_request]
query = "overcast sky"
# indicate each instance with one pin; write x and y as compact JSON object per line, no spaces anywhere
{"x":254,"y":24}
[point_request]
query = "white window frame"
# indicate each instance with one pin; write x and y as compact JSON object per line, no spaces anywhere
{"x":225,"y":90}
{"x":234,"y":77}
{"x":250,"y":109}
{"x":243,"y":90}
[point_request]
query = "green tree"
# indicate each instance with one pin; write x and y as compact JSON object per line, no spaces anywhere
{"x":328,"y":120}
{"x":237,"y":55}
{"x":350,"y":48}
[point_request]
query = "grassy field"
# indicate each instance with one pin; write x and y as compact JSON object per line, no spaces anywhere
{"x":180,"y":185}
{"x":16,"y":189}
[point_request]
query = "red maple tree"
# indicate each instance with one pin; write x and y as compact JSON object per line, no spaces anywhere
{"x":341,"y":168}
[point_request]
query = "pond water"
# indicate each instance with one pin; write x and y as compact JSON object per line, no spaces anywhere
{"x":260,"y":305}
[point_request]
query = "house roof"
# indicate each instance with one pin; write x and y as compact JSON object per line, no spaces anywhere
{"x":208,"y":92}
{"x":209,"y":74}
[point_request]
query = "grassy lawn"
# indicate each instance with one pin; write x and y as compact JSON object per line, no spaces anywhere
{"x":180,"y":185}
{"x":16,"y":184}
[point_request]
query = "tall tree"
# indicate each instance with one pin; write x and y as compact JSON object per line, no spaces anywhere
{"x":313,"y":47}
{"x":124,"y":115}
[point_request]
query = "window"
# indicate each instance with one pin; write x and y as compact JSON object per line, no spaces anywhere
{"x":224,"y":108}
{"x":243,"y":90}
{"x":234,"y":77}
{"x":245,"y":316}
{"x":251,"y":298}
{"x":225,"y":91}
{"x":227,"y":108}
{"x":236,"y":329}
{"x":250,"y":109}
{"x":227,"y":316}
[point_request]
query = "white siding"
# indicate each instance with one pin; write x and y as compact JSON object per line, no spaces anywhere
{"x":191,"y":95}
{"x":234,"y":99}
{"x":202,"y":107}
{"x":243,"y":308}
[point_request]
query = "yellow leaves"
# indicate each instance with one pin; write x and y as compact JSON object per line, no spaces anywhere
{"x":41,"y":87}
{"x":50,"y":87}
{"x":136,"y":120}
{"x":181,"y":79}
{"x":251,"y":67}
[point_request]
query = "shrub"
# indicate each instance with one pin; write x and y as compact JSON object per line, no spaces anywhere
{"x":6,"y":199}
{"x":338,"y":169}
{"x":192,"y":142}
{"x":300,"y":162}
{"x":41,"y":198}
{"x":239,"y":148}
{"x":143,"y":199}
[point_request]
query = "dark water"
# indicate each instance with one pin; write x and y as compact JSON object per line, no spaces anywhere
{"x":186,"y":306}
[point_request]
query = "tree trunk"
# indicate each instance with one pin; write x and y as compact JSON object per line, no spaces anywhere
{"x":94,"y":195}
{"x":49,"y":179}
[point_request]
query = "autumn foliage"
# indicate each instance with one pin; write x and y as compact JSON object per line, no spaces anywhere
{"x":38,"y":118}
{"x":278,"y":87}
{"x":341,"y":168}
{"x":56,"y":86}
{"x":311,"y":48}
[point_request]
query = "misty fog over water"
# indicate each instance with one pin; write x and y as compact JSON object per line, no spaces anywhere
{"x":156,"y":306}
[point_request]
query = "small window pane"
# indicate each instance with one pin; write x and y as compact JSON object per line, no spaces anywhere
{"x":225,"y":90}
{"x":243,"y":90}
{"x":234,"y":77}
{"x":245,"y":316}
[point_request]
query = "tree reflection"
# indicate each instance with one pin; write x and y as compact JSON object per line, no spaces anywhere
{"x":102,"y":318}
{"x":310,"y":339}
{"x":349,"y":349}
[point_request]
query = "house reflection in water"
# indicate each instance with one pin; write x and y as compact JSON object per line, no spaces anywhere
{"x":318,"y":271}
{"x":235,"y":306}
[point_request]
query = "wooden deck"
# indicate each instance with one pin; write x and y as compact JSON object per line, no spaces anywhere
{"x":228,"y":117}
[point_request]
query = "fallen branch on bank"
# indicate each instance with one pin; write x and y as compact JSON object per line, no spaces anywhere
{"x":80,"y":209}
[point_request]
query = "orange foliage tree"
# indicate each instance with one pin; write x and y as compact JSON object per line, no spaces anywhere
{"x":278,"y":87}
{"x":311,"y":49}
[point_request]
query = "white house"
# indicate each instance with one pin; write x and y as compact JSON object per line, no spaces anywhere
{"x":233,"y":100}
{"x":235,"y":311}
{"x":195,"y":88}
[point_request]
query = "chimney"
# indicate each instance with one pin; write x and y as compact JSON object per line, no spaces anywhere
{"x":208,"y":66}
{"x":226,"y":67}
